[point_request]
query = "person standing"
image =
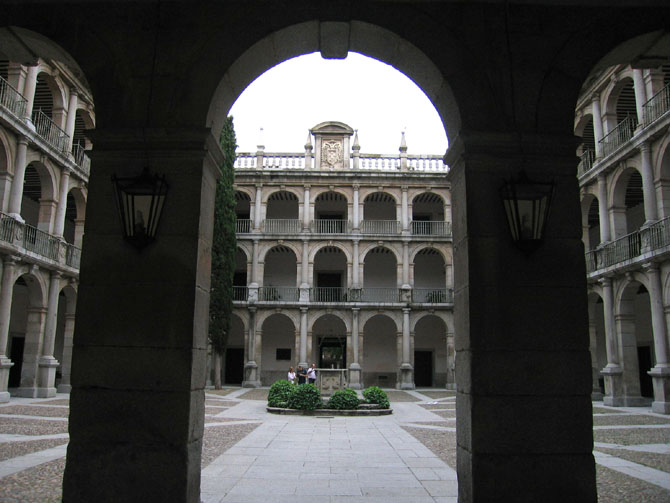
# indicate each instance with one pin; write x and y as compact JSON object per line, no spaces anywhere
{"x":302,"y":376}
{"x":311,"y":374}
{"x":291,"y":375}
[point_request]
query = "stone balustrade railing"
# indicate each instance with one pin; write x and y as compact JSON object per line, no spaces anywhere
{"x":26,"y":238}
{"x":293,"y":226}
{"x":12,"y":100}
{"x":647,"y":241}
{"x":372,"y":295}
{"x":368,"y":162}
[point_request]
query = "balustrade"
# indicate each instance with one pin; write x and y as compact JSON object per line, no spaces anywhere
{"x":50,"y":131}
{"x":587,"y":159}
{"x":12,"y":100}
{"x":622,"y":133}
{"x":328,"y":226}
{"x":328,"y":294}
{"x":380,"y":227}
{"x":432,"y":295}
{"x":39,"y":242}
{"x":243,"y":226}
{"x":380,"y":294}
{"x":657,"y":106}
{"x":240,"y":293}
{"x":278,"y":293}
{"x":431,"y":228}
{"x":282,"y":226}
{"x":81,"y":159}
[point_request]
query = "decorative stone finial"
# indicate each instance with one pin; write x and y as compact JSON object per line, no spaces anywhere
{"x":261,"y":142}
{"x":357,"y":145}
{"x":403,"y":143}
{"x":308,"y":143}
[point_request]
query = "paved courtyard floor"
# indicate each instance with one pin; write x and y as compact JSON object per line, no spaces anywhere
{"x":410,"y":456}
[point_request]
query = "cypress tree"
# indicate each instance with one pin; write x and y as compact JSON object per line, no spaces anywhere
{"x":224,"y":247}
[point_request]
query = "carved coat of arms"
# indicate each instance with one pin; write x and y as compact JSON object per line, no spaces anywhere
{"x":331,"y":153}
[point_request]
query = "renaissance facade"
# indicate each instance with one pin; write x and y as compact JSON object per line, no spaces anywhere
{"x":344,"y":260}
{"x":44,"y":109}
{"x":622,"y":117}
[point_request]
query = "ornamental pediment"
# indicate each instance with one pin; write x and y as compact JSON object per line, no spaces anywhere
{"x":332,"y":127}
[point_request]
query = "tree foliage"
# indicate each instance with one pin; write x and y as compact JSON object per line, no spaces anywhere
{"x":224,"y":246}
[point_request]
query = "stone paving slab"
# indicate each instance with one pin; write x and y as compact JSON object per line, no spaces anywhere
{"x":656,"y":477}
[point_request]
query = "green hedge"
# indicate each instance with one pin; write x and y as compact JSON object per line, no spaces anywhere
{"x":305,"y":397}
{"x":279,"y":393}
{"x":377,"y":396}
{"x":344,"y":399}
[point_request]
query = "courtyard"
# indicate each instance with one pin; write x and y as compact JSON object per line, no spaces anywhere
{"x":409,"y":456}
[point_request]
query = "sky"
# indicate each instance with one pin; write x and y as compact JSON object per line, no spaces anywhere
{"x":368,"y":95}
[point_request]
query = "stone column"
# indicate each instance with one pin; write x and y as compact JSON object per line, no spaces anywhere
{"x":305,"y":211}
{"x":71,"y":116}
{"x":65,"y":385}
{"x":32,"y":351}
{"x":613,"y":373}
{"x":303,"y":338}
{"x":251,"y":371}
{"x":605,"y":234}
{"x":597,"y":124}
{"x":257,"y":207}
{"x":650,"y":207}
{"x":46,"y":381}
{"x":29,"y":92}
{"x":406,"y":369}
{"x":596,"y":393}
{"x":16,"y":194}
{"x":253,"y":285}
{"x":355,"y":266}
{"x":518,"y":422}
{"x":59,"y":224}
{"x":354,"y":367}
{"x":6,"y":294}
{"x":640,"y":95}
{"x":139,"y":365}
{"x":405,"y":265}
{"x":356,"y":210}
{"x":304,"y":272}
{"x":404,"y":211}
{"x":660,"y":374}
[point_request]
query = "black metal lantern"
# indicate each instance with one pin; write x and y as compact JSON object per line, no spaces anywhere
{"x":527,"y":208}
{"x":140,"y":201}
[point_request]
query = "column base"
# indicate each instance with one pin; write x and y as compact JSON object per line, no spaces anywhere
{"x":597,"y":396}
{"x":46,"y":377}
{"x":25,"y":392}
{"x":5,"y":365}
{"x":354,"y":377}
{"x":46,"y":392}
{"x":4,"y":396}
{"x":406,"y":377}
{"x":64,"y":388}
{"x":251,"y":375}
{"x":660,"y":376}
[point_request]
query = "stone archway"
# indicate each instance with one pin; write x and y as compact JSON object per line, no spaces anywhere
{"x":513,"y":111}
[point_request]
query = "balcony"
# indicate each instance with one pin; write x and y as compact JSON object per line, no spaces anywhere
{"x":380,"y":227}
{"x":240,"y":293}
{"x":431,"y":228}
{"x":657,"y":106}
{"x":282,"y":226}
{"x":30,"y":239}
{"x":328,"y":226}
{"x":432,"y":295}
{"x":620,"y":135}
{"x":645,"y":241}
{"x":380,"y":294}
{"x":242,"y":226}
{"x":278,"y":294}
{"x":12,"y":100}
{"x":588,"y":159}
{"x":49,"y":131}
{"x":81,"y":159}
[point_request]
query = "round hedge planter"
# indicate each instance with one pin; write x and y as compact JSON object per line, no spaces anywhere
{"x":330,"y":412}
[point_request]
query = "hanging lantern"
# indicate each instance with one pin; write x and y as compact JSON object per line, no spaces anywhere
{"x":140,"y":202}
{"x":527,"y":208}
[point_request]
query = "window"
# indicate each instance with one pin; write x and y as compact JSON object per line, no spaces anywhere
{"x":283,"y":353}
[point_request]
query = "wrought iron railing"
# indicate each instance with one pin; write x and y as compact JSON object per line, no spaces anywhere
{"x":588,"y":157}
{"x":50,"y":131}
{"x":240,"y":293}
{"x":72,"y":256}
{"x":81,"y":159}
{"x":12,"y":100}
{"x":657,"y":235}
{"x":282,"y":226}
{"x":657,"y":106}
{"x":279,"y":293}
{"x":380,"y":294}
{"x":40,"y":242}
{"x":622,"y":133}
{"x":243,"y":226}
{"x":380,"y":227}
{"x":328,"y":294}
{"x":431,"y":228}
{"x":433,"y":295}
{"x":326,"y":226}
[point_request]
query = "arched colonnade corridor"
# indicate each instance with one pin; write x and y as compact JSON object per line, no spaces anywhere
{"x":504,"y":78}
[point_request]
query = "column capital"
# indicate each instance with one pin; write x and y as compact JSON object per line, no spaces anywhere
{"x":355,"y":310}
{"x":605,"y":281}
{"x":406,"y":310}
{"x":306,"y":186}
{"x":304,"y":310}
{"x":645,"y":146}
{"x":595,"y":97}
{"x":652,"y":267}
{"x":252,"y":309}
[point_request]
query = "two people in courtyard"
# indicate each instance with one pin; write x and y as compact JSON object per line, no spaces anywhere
{"x":303,"y":375}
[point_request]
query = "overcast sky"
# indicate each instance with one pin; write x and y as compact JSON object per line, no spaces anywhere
{"x":370,"y":96}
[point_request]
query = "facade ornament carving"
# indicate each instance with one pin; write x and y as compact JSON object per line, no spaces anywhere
{"x":332,"y":153}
